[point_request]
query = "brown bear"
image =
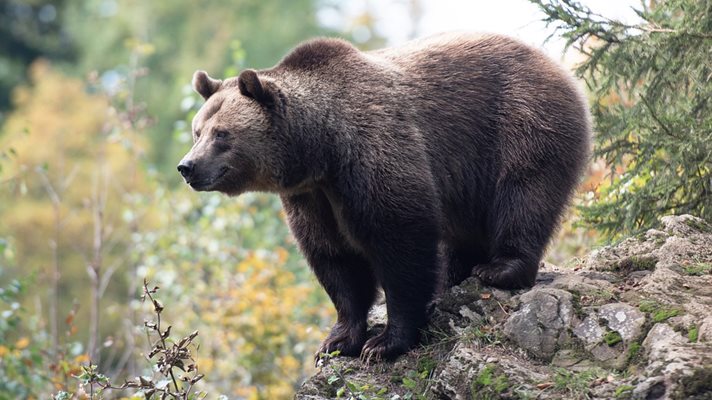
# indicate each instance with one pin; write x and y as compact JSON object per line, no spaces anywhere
{"x":408,"y":168}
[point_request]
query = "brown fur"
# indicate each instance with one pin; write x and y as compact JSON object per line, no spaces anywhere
{"x":401,"y":168}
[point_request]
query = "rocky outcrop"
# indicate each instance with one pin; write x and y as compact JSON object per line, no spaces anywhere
{"x":629,"y":321}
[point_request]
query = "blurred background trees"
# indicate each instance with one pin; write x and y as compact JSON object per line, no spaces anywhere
{"x":96,"y":102}
{"x":651,"y":85}
{"x":95,"y":109}
{"x":29,"y":30}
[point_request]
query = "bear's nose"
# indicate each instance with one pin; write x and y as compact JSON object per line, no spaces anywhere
{"x":185,"y":167}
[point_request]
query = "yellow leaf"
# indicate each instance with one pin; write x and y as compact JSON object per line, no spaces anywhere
{"x":81,"y":359}
{"x":22,"y":343}
{"x":282,"y":255}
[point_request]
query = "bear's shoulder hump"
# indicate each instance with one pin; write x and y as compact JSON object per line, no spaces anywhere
{"x":317,"y":53}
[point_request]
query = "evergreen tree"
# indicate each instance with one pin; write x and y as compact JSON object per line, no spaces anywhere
{"x":651,"y":89}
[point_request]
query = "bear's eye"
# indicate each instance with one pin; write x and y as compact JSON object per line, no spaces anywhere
{"x":220,"y":135}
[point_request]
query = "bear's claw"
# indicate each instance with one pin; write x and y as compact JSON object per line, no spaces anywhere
{"x":347,"y":340}
{"x":386,"y":346}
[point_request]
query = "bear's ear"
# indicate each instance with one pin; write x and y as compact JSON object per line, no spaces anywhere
{"x":205,"y":85}
{"x":252,"y":86}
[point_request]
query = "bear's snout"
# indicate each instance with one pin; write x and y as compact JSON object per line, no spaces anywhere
{"x":186,"y":168}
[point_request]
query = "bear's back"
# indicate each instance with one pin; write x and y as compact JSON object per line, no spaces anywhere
{"x":482,"y":99}
{"x":495,"y":106}
{"x":317,"y":54}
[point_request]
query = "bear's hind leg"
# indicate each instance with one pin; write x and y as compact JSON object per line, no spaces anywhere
{"x":522,"y":221}
{"x":509,"y":272}
{"x":458,"y":262}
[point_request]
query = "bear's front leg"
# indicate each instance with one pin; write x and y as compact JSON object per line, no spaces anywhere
{"x":403,"y":249}
{"x":349,"y":282}
{"x":409,"y":275}
{"x":346,"y":276}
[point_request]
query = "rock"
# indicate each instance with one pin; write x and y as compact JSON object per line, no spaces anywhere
{"x":605,"y":353}
{"x":704,"y":332}
{"x":624,"y":319}
{"x":566,"y":358}
{"x":467,"y":374}
{"x":679,"y":362}
{"x":541,"y":321}
{"x":608,"y":333}
{"x":650,"y":389}
{"x":590,"y":331}
{"x":633,"y":320}
{"x":661,"y":338}
{"x":377,"y":316}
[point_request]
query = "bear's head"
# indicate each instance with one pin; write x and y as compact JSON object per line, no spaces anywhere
{"x":235,"y":136}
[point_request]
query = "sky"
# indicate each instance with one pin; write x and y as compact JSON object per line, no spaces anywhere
{"x":518,"y":18}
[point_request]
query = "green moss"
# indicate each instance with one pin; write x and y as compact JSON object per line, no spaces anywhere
{"x":648,"y":306}
{"x":693,"y":334}
{"x":658,"y":312}
{"x":612,"y":338}
{"x":698,"y":269}
{"x":663,"y":314}
{"x":633,"y":351}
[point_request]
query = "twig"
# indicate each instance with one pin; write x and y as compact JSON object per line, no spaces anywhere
{"x":159,"y":308}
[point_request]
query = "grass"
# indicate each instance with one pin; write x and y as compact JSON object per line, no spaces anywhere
{"x":576,"y":385}
{"x":348,"y":388}
{"x":483,"y":334}
{"x":698,"y":269}
{"x":489,"y":384}
{"x":413,"y":383}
